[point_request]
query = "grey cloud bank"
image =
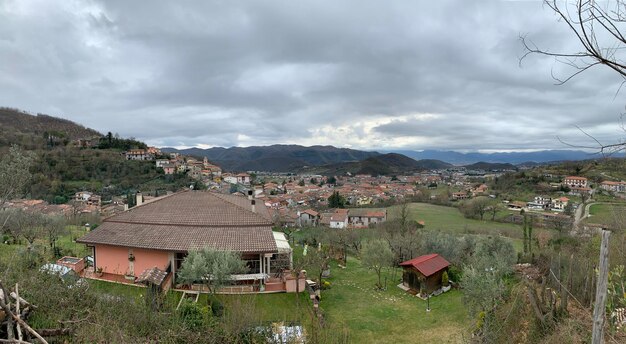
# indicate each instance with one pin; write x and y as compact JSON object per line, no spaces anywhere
{"x":360,"y":74}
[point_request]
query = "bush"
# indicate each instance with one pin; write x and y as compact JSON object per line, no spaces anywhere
{"x":217,"y":307}
{"x":444,"y":279}
{"x":192,"y":314}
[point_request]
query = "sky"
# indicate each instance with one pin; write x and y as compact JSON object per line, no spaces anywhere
{"x":375,"y":75}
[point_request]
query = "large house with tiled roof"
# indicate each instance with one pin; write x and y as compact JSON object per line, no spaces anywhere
{"x":159,"y":234}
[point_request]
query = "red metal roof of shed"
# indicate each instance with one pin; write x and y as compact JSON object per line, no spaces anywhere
{"x":427,"y":264}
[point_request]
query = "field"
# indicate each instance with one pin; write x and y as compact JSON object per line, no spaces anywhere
{"x":390,"y":316}
{"x":449,"y":219}
{"x":605,"y":213}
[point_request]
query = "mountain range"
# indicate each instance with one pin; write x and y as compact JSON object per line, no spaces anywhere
{"x":515,"y":158}
{"x":275,"y":158}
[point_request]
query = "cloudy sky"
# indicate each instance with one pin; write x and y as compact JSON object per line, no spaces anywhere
{"x":361,"y":74}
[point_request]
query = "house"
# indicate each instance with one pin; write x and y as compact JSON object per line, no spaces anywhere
{"x":161,"y":162}
{"x":160,"y":234}
{"x":540,"y":203}
{"x":516,"y":205}
{"x":339,"y":220}
{"x":243,"y":178}
{"x":423,"y":274}
{"x":169,"y":168}
{"x":613,"y":186}
{"x":138,"y":154}
{"x":88,"y":198}
{"x":460,"y":195}
{"x":575,"y":182}
{"x":559,"y":204}
{"x":363,"y":217}
{"x":308,"y":218}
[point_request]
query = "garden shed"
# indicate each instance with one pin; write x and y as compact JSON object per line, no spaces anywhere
{"x":423,"y":274}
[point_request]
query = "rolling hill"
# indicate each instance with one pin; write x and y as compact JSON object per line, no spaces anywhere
{"x":385,"y":164}
{"x":275,"y":158}
{"x":34,"y":131}
{"x":515,"y":158}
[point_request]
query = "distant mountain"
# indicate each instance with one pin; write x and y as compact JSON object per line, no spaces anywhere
{"x":32,"y":131}
{"x":490,"y":166}
{"x":385,"y":164}
{"x":515,"y":158}
{"x":275,"y":158}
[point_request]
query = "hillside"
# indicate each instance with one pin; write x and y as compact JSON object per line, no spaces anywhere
{"x":515,"y":158}
{"x":36,"y":131}
{"x":385,"y":164}
{"x":275,"y":158}
{"x":60,"y":168}
{"x":488,"y":166}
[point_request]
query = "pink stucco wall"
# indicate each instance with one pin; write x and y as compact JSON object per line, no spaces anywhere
{"x":114,"y":259}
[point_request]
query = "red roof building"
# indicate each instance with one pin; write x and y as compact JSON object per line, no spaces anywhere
{"x":423,"y":274}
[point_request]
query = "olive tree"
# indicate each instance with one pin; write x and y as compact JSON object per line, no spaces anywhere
{"x":211,"y":267}
{"x":377,"y":255}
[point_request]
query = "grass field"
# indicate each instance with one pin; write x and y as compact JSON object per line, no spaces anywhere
{"x":605,"y":213}
{"x":390,"y":316}
{"x":449,"y":219}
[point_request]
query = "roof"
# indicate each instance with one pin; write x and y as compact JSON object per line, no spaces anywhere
{"x":367,"y":212}
{"x":311,"y":212}
{"x":190,"y":220}
{"x":155,"y":276}
{"x":428,"y":264}
{"x":576,"y":178}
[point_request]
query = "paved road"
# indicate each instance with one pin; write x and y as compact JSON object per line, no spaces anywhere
{"x":581,"y":213}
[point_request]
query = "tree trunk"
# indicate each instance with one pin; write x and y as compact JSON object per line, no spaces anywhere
{"x":601,"y":291}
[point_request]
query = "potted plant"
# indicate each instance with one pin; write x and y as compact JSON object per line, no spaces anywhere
{"x":99,"y":272}
{"x":131,"y":257}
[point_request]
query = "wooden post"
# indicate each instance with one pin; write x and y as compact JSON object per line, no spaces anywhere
{"x":601,"y":291}
{"x":17,"y":311}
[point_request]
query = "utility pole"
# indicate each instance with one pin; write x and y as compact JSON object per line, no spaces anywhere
{"x":601,"y":291}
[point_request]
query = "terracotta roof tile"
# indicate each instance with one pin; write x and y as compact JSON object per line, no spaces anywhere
{"x":189,"y":220}
{"x":428,"y":264}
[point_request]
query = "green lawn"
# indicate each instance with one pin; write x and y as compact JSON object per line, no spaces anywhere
{"x":390,"y":316}
{"x":605,"y":213}
{"x":450,"y":219}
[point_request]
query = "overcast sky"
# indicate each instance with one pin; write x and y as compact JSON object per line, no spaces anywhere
{"x":362,"y":74}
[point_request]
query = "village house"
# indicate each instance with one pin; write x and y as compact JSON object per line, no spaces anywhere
{"x":460,"y":195}
{"x":308,"y":218}
{"x":575,"y":182}
{"x":540,"y":203}
{"x":339,"y":219}
{"x":161,"y":162}
{"x":613,"y":186}
{"x":138,"y":154}
{"x":159,"y":234}
{"x":88,"y":198}
{"x":424,"y":274}
{"x":362,"y":217}
{"x":559,"y":204}
{"x":169,"y":168}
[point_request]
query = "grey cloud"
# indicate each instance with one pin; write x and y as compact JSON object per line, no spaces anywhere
{"x":230,"y":73}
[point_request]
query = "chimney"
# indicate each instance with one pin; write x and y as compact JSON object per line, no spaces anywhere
{"x":253,"y":202}
{"x":139,"y":198}
{"x":250,"y":194}
{"x":125,"y":206}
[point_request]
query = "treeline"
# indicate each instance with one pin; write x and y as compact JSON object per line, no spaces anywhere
{"x":58,"y":174}
{"x":110,"y":141}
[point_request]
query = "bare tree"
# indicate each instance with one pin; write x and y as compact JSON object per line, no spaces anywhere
{"x":14,"y":175}
{"x":599,"y":28}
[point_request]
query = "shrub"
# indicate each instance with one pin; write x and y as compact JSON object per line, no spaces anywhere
{"x":217,"y":307}
{"x":444,"y":279}
{"x":192,"y":314}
